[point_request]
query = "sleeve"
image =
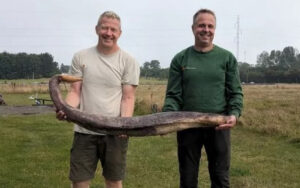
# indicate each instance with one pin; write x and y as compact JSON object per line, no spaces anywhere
{"x":76,"y":66}
{"x":173,"y":99}
{"x":233,"y":86}
{"x":131,"y":72}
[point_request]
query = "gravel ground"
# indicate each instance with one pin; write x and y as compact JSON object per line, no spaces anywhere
{"x":25,"y":110}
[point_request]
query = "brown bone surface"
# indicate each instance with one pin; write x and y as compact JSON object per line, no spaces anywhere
{"x":147,"y":125}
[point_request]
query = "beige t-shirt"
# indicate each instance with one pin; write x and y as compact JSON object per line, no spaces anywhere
{"x":103,"y":77}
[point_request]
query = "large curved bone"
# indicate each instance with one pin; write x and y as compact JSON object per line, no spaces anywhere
{"x":148,"y":125}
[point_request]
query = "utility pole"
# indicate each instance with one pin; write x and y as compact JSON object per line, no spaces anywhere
{"x":238,"y":38}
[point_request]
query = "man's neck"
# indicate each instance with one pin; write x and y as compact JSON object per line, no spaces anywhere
{"x":107,"y":51}
{"x":201,"y":48}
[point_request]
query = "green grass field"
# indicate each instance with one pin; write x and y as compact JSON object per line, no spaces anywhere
{"x":34,"y":149}
{"x":35,"y":153}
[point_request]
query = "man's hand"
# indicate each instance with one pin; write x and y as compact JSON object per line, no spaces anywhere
{"x":230,"y":123}
{"x":60,"y":115}
{"x":72,"y":99}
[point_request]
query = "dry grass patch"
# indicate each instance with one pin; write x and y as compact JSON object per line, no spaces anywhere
{"x":272,"y":108}
{"x":148,"y":96}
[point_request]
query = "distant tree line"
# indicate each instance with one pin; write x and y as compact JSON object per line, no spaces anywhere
{"x":274,"y":67}
{"x":64,"y":68}
{"x":25,"y":66}
{"x":152,"y":69}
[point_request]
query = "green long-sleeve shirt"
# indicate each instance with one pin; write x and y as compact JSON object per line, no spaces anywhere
{"x":205,"y":82}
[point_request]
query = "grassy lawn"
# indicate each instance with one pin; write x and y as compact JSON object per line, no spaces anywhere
{"x":34,"y":152}
{"x":34,"y":149}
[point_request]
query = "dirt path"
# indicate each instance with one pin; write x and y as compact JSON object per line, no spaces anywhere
{"x":25,"y":110}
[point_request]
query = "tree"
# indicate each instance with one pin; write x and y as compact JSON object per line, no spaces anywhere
{"x":274,"y":58}
{"x":5,"y":68}
{"x":244,"y":69}
{"x":23,"y":65}
{"x":48,"y":67}
{"x":64,"y":68}
{"x":280,"y":66}
{"x":287,"y":58}
{"x":263,"y":60}
{"x":152,"y":69}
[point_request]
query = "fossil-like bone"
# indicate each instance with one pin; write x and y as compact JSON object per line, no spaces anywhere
{"x":147,"y":125}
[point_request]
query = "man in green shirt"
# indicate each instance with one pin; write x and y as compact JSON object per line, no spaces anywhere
{"x":204,"y":78}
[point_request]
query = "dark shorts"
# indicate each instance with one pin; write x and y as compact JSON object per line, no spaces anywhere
{"x":88,"y":149}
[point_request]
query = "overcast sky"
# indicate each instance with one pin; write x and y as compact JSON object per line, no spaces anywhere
{"x":152,"y":29}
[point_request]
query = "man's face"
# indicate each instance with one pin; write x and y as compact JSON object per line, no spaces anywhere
{"x":204,"y":29}
{"x":109,"y":31}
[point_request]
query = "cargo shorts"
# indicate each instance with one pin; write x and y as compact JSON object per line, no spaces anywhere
{"x":88,"y":149}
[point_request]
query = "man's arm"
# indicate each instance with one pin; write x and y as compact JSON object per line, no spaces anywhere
{"x":173,"y":99}
{"x":127,"y":101}
{"x":72,"y":99}
{"x":234,"y":94}
{"x":73,"y":96}
{"x":234,"y":89}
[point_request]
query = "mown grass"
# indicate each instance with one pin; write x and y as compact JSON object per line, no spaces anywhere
{"x":21,"y":99}
{"x":35,"y":153}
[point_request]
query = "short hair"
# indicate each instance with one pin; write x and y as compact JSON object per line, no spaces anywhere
{"x":109,"y":14}
{"x":201,"y":11}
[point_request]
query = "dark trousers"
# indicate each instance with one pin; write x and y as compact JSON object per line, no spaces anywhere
{"x":217,"y":147}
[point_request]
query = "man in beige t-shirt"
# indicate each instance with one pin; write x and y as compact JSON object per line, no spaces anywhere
{"x":110,"y":77}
